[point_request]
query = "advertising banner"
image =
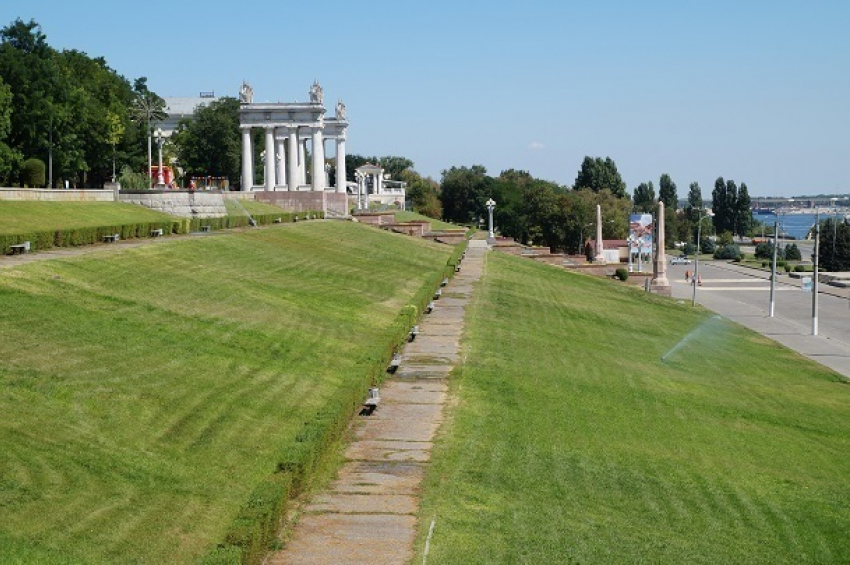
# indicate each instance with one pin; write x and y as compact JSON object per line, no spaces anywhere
{"x":640,"y":240}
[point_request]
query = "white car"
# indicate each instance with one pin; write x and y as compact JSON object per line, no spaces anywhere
{"x":680,"y":261}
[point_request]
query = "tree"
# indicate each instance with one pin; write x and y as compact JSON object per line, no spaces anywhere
{"x":834,"y":248}
{"x":210,"y":143}
{"x":695,"y":205}
{"x":463,"y":192}
{"x":9,"y":158}
{"x":667,"y":192}
{"x":597,"y":174}
{"x":423,"y":193}
{"x":792,"y":252}
{"x":723,"y":220}
{"x":644,"y":197}
{"x":731,"y":206}
{"x":744,"y":215}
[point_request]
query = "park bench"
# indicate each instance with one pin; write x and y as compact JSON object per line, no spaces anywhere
{"x":445,"y":282}
{"x":111,"y":238}
{"x":394,"y":364}
{"x":457,"y":268}
{"x":611,"y":273}
{"x":438,"y":294}
{"x":278,"y":220}
{"x":371,"y":402}
{"x":414,"y":331}
{"x":20,"y":247}
{"x":156,"y":233}
{"x":430,"y":307}
{"x":205,"y":228}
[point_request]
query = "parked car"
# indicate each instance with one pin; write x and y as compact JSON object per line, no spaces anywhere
{"x":681,"y":260}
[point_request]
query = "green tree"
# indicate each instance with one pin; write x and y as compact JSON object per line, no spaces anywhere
{"x":463,"y":192}
{"x":834,"y":248}
{"x":9,"y":158}
{"x":744,"y":215}
{"x":731,"y":207}
{"x":695,"y":205}
{"x":644,"y":197}
{"x":667,"y":192}
{"x":597,"y":174}
{"x":724,"y":214}
{"x":210,"y":144}
{"x":423,"y":193}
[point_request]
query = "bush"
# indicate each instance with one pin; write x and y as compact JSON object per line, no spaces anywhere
{"x":792,"y":252}
{"x":622,"y":274}
{"x":729,"y":252}
{"x":689,"y":249}
{"x":787,"y":268}
{"x":799,"y":269}
{"x":708,"y":246}
{"x":781,"y":263}
{"x":33,"y":173}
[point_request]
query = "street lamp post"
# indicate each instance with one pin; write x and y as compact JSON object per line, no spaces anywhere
{"x":491,"y":204}
{"x":815,"y":276}
{"x":160,"y":181}
{"x":773,"y":269}
{"x":695,"y":281}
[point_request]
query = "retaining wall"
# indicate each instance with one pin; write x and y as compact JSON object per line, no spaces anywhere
{"x":57,"y":195}
{"x":184,"y":204}
{"x":332,"y":203}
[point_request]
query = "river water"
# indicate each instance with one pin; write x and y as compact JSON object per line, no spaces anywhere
{"x":795,"y":225}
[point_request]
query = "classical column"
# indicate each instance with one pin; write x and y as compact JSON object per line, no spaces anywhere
{"x":600,"y":252}
{"x":280,"y":157}
{"x":247,"y":160}
{"x":340,"y":165}
{"x":302,"y":166}
{"x":270,"y":164}
{"x":318,"y":160}
{"x":293,"y":159}
{"x":660,"y":284}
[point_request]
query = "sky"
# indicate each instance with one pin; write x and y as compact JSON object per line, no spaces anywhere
{"x":750,"y":90}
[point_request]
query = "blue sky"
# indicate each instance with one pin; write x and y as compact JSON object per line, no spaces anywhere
{"x":757,"y":91}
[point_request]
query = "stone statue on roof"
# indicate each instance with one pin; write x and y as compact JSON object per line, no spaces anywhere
{"x":246,"y":93}
{"x":340,"y":110}
{"x":316,"y":94}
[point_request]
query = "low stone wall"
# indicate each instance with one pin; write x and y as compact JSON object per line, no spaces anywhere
{"x":416,"y":229}
{"x":184,"y":204}
{"x":57,"y":195}
{"x":375,"y":218}
{"x":239,"y":195}
{"x":332,"y":203}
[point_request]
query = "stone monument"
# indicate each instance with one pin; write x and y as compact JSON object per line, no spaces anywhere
{"x":600,"y":252}
{"x":660,"y":284}
{"x":246,"y":93}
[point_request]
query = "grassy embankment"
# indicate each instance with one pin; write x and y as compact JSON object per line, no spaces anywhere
{"x":27,"y":217}
{"x":572,"y":442}
{"x":145,"y":394}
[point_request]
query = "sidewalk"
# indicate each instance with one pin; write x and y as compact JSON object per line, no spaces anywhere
{"x":368,"y":514}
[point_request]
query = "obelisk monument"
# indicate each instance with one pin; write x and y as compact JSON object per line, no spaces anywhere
{"x":660,"y":284}
{"x":600,"y":255}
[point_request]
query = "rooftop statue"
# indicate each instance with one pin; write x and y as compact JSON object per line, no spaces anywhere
{"x":316,"y":93}
{"x":246,"y":93}
{"x":340,"y":110}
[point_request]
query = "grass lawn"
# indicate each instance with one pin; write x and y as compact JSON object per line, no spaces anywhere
{"x":404,"y":216}
{"x":570,"y":440}
{"x":26,"y":217}
{"x":144,"y":393}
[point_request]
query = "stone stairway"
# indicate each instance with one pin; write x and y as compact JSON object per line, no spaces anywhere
{"x":368,"y":514}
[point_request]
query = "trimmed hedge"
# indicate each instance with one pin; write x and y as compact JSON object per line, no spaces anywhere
{"x":74,"y":237}
{"x":255,"y":527}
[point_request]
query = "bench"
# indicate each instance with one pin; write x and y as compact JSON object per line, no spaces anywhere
{"x":111,"y":238}
{"x":371,"y":402}
{"x":457,"y":268}
{"x":438,"y":294}
{"x":445,"y":282}
{"x":278,"y":220}
{"x":395,"y":363}
{"x":610,"y":273}
{"x":20,"y":247}
{"x":156,"y":233}
{"x":205,"y":228}
{"x":430,"y":307}
{"x":414,"y":331}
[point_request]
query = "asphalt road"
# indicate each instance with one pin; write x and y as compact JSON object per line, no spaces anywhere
{"x":743,"y":295}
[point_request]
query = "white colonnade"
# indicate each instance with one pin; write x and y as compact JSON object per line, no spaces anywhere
{"x":288,"y":128}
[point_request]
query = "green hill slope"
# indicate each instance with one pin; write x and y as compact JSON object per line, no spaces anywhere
{"x":145,"y":393}
{"x":572,"y":442}
{"x":27,"y":217}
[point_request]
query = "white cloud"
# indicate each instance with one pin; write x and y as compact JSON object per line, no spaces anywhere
{"x":536,"y":146}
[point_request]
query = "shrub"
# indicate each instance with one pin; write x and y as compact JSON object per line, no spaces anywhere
{"x":725,"y":238}
{"x":799,"y":269}
{"x":792,"y":252}
{"x":621,"y":274}
{"x":763,"y":264}
{"x":781,"y":263}
{"x":729,"y":252}
{"x":708,"y":246}
{"x":787,"y":268}
{"x":689,"y":249}
{"x":33,"y":173}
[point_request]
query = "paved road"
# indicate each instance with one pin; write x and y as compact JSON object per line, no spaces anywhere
{"x":743,"y":295}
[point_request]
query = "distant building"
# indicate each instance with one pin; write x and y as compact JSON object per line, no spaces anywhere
{"x":180,"y":108}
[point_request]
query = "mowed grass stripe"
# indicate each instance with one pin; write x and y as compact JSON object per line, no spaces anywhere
{"x":149,"y":390}
{"x":571,"y":440}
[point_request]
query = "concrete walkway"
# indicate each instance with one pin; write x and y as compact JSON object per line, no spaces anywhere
{"x":368,"y":514}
